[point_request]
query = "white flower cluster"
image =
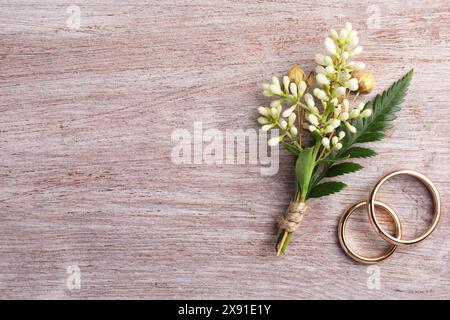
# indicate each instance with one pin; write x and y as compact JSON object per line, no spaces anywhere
{"x":273,"y":117}
{"x":334,"y":85}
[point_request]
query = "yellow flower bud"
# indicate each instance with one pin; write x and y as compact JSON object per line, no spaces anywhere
{"x":296,"y":74}
{"x":366,"y":81}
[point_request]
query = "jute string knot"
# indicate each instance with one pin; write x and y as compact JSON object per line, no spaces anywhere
{"x":291,"y":220}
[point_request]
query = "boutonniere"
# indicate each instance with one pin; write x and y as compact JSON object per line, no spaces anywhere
{"x":321,"y":120}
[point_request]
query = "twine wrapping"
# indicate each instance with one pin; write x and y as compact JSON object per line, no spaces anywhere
{"x":291,"y":220}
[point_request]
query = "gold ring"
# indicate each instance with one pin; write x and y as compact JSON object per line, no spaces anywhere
{"x":343,"y":240}
{"x":436,"y":204}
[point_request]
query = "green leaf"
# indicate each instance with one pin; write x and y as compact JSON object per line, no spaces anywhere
{"x":343,"y":168}
{"x":291,"y":148}
{"x":326,"y":188}
{"x":303,"y":169}
{"x":358,"y":152}
{"x":369,"y":137}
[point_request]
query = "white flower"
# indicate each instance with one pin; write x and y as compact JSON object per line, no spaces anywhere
{"x":326,"y":143}
{"x":358,"y":66}
{"x":320,"y":59}
{"x":345,"y":104}
{"x":293,"y":131}
{"x":343,"y":35}
{"x":283,"y":124}
{"x":330,"y":46}
{"x":313,"y":120}
{"x":293,"y":88}
{"x":273,"y":141}
{"x":275,"y":81}
{"x":353,"y":42}
{"x":335,"y":123}
{"x":330,"y":70}
{"x":344,"y":116}
{"x":348,"y":27}
{"x":286,"y":82}
{"x":322,"y":79}
{"x":291,"y":119}
{"x":287,"y":112}
{"x":267,"y":127}
{"x":360,"y":106}
{"x":320,"y":94}
{"x":354,"y":113}
{"x":356,"y":51}
{"x":337,"y":146}
{"x":328,"y":129}
{"x":341,"y":135}
{"x":352,"y":84}
{"x":366,"y":113}
{"x":274,"y":112}
{"x":263,"y":120}
{"x":351,"y":128}
{"x":263,"y":111}
{"x":328,"y":61}
{"x":301,"y":88}
{"x":309,"y":100}
{"x":276,"y":89}
{"x":340,"y":91}
{"x":312,"y":128}
{"x":275,"y":103}
{"x":320,"y":70}
{"x":334,"y":140}
{"x":334,"y":34}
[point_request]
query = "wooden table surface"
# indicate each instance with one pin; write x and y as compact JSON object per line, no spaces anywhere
{"x":88,"y":187}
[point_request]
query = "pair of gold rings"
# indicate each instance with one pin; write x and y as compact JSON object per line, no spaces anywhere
{"x":371,"y":203}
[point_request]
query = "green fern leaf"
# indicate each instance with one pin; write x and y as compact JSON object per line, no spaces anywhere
{"x":343,"y":168}
{"x":358,"y":152}
{"x":325,"y":189}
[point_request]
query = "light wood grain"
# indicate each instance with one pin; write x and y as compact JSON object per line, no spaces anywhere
{"x":86,"y":118}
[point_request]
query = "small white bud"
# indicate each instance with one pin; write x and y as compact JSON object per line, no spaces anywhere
{"x":262,"y":120}
{"x":326,"y":143}
{"x":351,"y":128}
{"x":360,"y":106}
{"x":320,"y":94}
{"x":275,"y":103}
{"x":313,"y":120}
{"x":337,"y":111}
{"x":334,"y":101}
{"x":301,"y":88}
{"x":293,"y":88}
{"x":320,"y":70}
{"x":320,"y":59}
{"x":275,"y":81}
{"x":341,"y":135}
{"x":283,"y":124}
{"x":273,"y":141}
{"x":267,"y":127}
{"x":348,"y":27}
{"x":274,"y":112}
{"x":322,"y":79}
{"x":293,"y":131}
{"x":287,"y":112}
{"x":328,"y":61}
{"x":353,"y":42}
{"x":276,"y":89}
{"x":267,"y":93}
{"x":343,"y":35}
{"x":357,"y":51}
{"x":354,"y":113}
{"x":286,"y":82}
{"x":291,"y":119}
{"x":337,"y":146}
{"x":328,"y":129}
{"x":359,"y":66}
{"x":330,"y":46}
{"x":345,"y":104}
{"x":340,"y":91}
{"x":335,"y":123}
{"x":334,"y":34}
{"x":309,"y":100}
{"x":263,"y":111}
{"x":345,"y":55}
{"x":366,"y":113}
{"x":330,"y":70}
{"x":334,"y":140}
{"x":352,"y":84}
{"x":312,"y":128}
{"x":344,"y":116}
